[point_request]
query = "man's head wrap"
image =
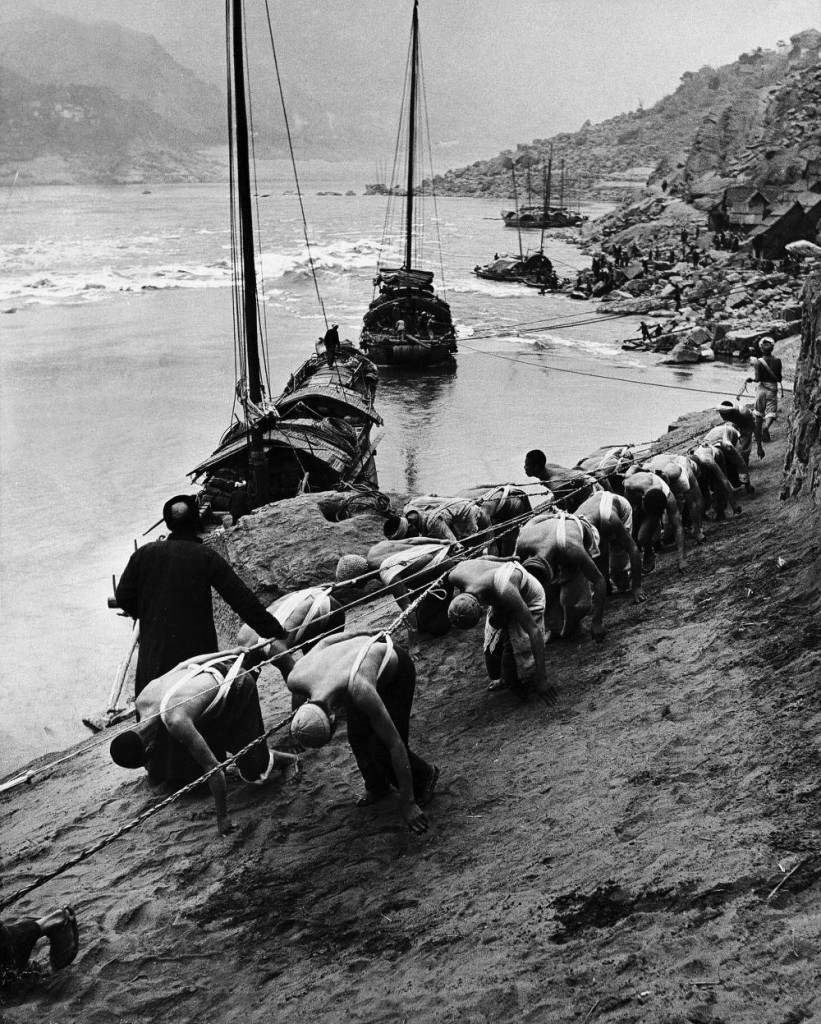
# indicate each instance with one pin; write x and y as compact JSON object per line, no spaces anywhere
{"x":312,"y":725}
{"x":766,"y":342}
{"x":464,"y":611}
{"x":396,"y":527}
{"x":182,"y":513}
{"x":349,"y":567}
{"x":127,"y":750}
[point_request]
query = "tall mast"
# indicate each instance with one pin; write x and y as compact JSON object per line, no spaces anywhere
{"x":561,"y":186}
{"x":412,"y":130}
{"x":516,"y":203}
{"x":258,"y":466}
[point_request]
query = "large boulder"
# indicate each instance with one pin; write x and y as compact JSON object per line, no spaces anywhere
{"x":802,"y":466}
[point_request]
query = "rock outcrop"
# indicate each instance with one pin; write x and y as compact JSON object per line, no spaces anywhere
{"x":802,"y":465}
{"x":293,"y":544}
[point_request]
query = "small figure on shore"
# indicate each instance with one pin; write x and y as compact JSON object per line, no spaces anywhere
{"x":331,"y":342}
{"x":166,"y":586}
{"x":209,"y":706}
{"x":374,"y":680}
{"x":560,"y":551}
{"x":645,"y":331}
{"x":514,"y":631}
{"x":677,"y":295}
{"x":239,"y":503}
{"x":400,"y":330}
{"x":18,"y":939}
{"x":768,"y":373}
{"x":570,"y":487}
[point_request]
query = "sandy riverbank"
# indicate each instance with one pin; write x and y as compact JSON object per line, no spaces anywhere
{"x":608,"y":861}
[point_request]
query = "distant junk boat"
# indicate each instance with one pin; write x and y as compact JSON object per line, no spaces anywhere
{"x":531,"y":216}
{"x":317,"y":434}
{"x":407,"y":324}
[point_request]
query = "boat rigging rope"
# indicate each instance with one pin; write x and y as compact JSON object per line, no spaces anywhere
{"x":599,"y":376}
{"x":293,"y":164}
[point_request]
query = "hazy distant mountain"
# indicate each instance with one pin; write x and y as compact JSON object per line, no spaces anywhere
{"x":49,"y":49}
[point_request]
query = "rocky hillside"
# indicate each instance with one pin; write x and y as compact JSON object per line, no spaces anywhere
{"x":755,"y":118}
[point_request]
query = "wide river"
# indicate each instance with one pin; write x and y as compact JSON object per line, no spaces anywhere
{"x":117,"y":377}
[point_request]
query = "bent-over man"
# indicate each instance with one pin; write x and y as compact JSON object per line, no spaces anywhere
{"x":210,"y":706}
{"x":559,"y":550}
{"x":570,"y":487}
{"x":451,"y":519}
{"x":305,"y":615}
{"x":651,"y":498}
{"x":514,"y":631}
{"x":374,"y":681}
{"x":619,"y":559}
{"x":406,"y":566}
{"x":504,"y":505}
{"x":680,"y":475}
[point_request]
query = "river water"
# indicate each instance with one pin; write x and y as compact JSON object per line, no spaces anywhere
{"x":117,"y":377}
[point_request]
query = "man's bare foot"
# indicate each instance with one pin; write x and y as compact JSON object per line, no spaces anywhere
{"x":369,"y":798}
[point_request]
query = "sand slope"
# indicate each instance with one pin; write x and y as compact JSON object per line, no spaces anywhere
{"x":608,"y":861}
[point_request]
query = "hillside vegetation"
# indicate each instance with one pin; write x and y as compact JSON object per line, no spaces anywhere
{"x":755,"y":118}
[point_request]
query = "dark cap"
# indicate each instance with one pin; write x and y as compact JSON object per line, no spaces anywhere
{"x":176,"y":518}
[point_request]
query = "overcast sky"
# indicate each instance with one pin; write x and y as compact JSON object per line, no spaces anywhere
{"x":498,"y":71}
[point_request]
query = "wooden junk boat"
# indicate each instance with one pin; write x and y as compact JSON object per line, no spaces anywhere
{"x":315,"y":437}
{"x":317,"y":434}
{"x":407,"y":324}
{"x":546,"y":215}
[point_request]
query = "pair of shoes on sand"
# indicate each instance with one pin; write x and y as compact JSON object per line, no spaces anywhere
{"x":64,"y":941}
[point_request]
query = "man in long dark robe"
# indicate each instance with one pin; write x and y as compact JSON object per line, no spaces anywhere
{"x":167,"y":587}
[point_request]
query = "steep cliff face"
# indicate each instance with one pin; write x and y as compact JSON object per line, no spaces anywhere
{"x":755,"y":119}
{"x":803,"y":461}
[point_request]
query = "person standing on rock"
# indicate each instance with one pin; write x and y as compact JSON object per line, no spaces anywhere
{"x":331,"y":342}
{"x":768,"y":373}
{"x":374,"y":681}
{"x":677,"y":295}
{"x":167,"y":585}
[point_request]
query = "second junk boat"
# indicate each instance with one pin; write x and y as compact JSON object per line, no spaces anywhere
{"x":317,"y":434}
{"x":407,"y":324}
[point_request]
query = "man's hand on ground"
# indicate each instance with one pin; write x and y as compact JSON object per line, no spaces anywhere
{"x":547,"y":694}
{"x":414,"y":816}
